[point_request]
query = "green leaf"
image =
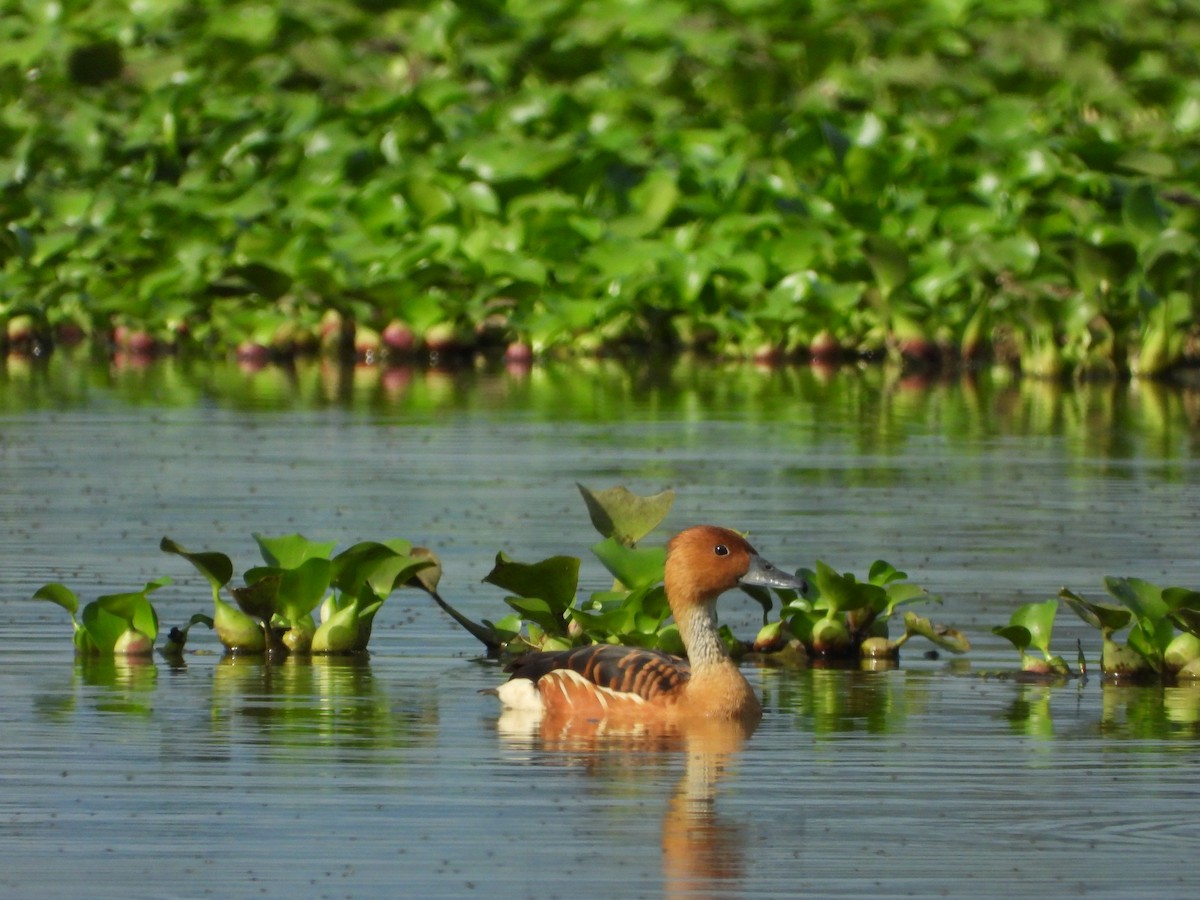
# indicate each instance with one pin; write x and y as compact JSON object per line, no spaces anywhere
{"x":632,"y":567}
{"x":303,"y":587}
{"x":534,"y":609}
{"x":339,"y":633}
{"x":260,"y":597}
{"x":238,"y":632}
{"x":1142,"y":598}
{"x":946,"y":638}
{"x":216,"y":567}
{"x":59,"y":594}
{"x":1102,"y":616}
{"x":901,"y":594}
{"x":1141,"y":211}
{"x":888,"y":262}
{"x":883,"y":573}
{"x":290,"y":551}
{"x":625,"y":517}
{"x":553,"y":580}
{"x":842,"y":593}
{"x":355,"y":566}
{"x":1017,"y":635}
{"x":1038,"y":620}
{"x":103,"y":627}
{"x":1150,"y":641}
{"x":135,"y":607}
{"x":653,"y":200}
{"x":1187,"y":619}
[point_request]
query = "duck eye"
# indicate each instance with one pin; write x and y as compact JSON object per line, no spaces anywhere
{"x":721,"y":550}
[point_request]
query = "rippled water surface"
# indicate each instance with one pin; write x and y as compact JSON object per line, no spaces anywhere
{"x":395,"y":776}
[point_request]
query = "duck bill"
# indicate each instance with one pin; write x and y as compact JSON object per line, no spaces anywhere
{"x":765,"y":574}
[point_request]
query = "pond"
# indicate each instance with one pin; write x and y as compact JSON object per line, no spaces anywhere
{"x":395,"y":775}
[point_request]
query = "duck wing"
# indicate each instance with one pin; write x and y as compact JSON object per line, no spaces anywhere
{"x":649,"y":674}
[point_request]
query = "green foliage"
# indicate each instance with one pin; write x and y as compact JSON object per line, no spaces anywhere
{"x":838,"y":617}
{"x":273,"y":611}
{"x":1163,"y":641}
{"x":585,"y":175}
{"x":1030,"y":627}
{"x":113,"y":625}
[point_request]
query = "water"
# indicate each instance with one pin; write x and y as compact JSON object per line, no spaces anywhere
{"x":395,"y":776}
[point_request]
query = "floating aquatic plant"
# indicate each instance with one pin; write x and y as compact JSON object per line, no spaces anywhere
{"x":838,"y":617}
{"x":1030,"y":627}
{"x":273,"y":611}
{"x":1163,"y":641}
{"x":440,"y":177}
{"x":113,"y":625}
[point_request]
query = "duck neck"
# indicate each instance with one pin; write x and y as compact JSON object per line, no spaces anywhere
{"x":701,"y":637}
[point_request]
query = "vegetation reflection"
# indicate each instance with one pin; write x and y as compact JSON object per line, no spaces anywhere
{"x":307,"y":702}
{"x":881,"y":407}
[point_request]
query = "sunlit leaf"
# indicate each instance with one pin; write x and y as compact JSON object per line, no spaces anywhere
{"x":1038,"y":620}
{"x":553,"y":580}
{"x":339,"y":633}
{"x":289,"y":551}
{"x":238,"y":632}
{"x":59,"y":594}
{"x":633,"y":567}
{"x":625,"y":517}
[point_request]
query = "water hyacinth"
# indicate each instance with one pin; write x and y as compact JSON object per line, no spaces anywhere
{"x":1163,"y":640}
{"x":837,"y":618}
{"x":274,"y":609}
{"x":112,"y":625}
{"x":1030,"y":627}
{"x":610,"y":189}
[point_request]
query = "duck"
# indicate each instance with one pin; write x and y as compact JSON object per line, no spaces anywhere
{"x":605,"y":681}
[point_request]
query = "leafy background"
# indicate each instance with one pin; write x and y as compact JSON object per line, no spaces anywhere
{"x":748,"y":176}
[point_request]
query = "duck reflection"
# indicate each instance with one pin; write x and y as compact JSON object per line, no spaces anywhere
{"x":703,"y":852}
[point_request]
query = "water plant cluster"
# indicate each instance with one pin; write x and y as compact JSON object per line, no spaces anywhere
{"x":837,"y":617}
{"x":826,"y":179}
{"x":1162,"y":642}
{"x":273,"y":611}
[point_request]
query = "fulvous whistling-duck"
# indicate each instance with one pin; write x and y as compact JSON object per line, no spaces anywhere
{"x":604,"y":680}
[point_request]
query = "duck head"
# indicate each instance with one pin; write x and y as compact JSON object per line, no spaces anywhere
{"x":705,"y":561}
